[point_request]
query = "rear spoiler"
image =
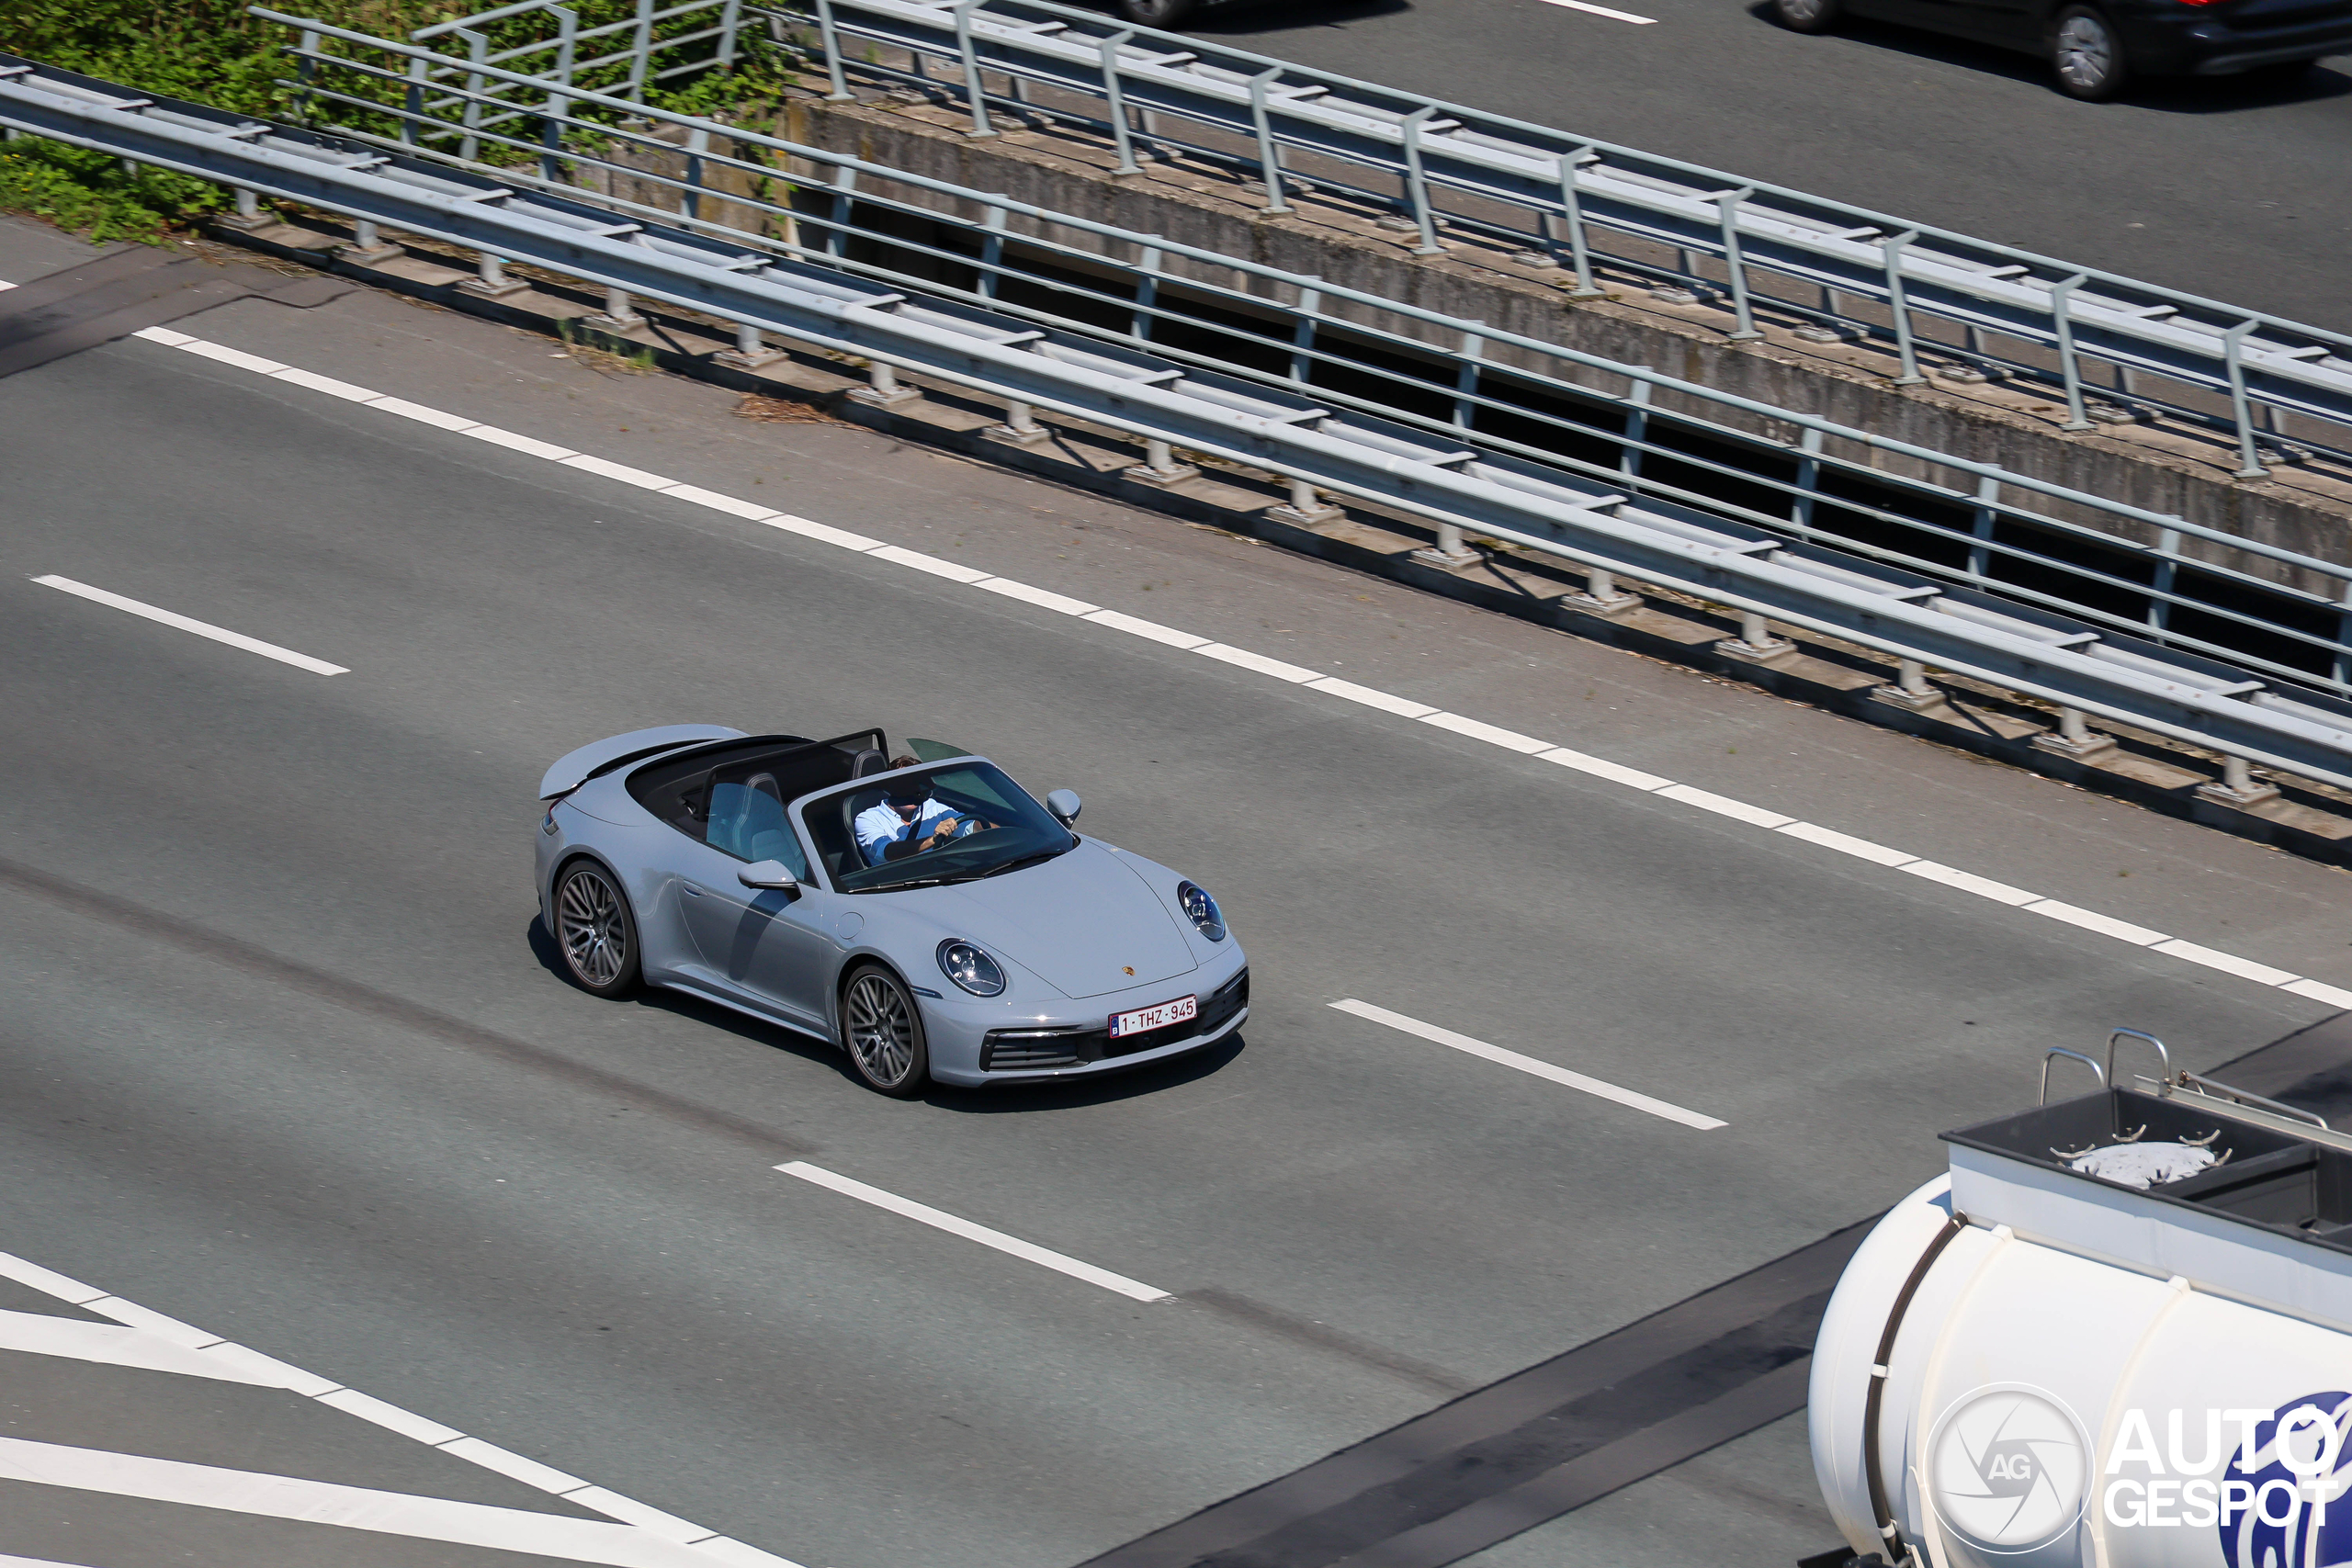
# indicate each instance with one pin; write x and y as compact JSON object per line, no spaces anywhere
{"x":576,"y":768}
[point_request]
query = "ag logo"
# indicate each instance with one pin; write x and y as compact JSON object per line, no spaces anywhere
{"x":2007,"y":1468}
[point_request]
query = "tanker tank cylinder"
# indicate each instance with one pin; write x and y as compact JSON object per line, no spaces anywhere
{"x":2116,"y":1332}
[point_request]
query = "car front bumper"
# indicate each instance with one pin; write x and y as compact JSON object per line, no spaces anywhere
{"x":973,"y":1046}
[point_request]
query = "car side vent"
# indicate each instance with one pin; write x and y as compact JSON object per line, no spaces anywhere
{"x":1007,"y":1049}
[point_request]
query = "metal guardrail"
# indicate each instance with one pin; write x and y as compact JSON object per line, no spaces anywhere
{"x":1001,"y":354}
{"x":1567,"y":200}
{"x":659,"y":44}
{"x":1986,"y":536}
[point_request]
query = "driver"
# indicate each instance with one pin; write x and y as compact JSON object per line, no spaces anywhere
{"x":907,"y":822}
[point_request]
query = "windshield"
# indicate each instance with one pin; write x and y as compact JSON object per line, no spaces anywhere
{"x":919,"y":829}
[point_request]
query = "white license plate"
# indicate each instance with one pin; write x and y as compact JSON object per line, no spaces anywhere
{"x":1160,"y":1017}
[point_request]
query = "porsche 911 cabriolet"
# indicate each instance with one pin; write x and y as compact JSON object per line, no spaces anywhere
{"x":923,"y":912}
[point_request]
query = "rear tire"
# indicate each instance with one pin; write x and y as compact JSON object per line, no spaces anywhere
{"x":882,"y":1032}
{"x":597,"y":929}
{"x":1806,"y":16}
{"x":1158,"y":13}
{"x":2088,"y":56}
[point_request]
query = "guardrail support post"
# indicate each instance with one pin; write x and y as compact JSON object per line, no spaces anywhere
{"x":1416,"y":184}
{"x":249,"y":216}
{"x":366,"y":247}
{"x":1756,"y":643}
{"x":1020,"y":426}
{"x":976,"y":95}
{"x":1118,"y":103}
{"x":2241,"y":408}
{"x":1572,"y":215}
{"x":1305,"y":508}
{"x":750,"y":350}
{"x":1451,"y":553}
{"x":1892,"y":250}
{"x":2238,"y":787}
{"x":492,"y":282}
{"x":2074,"y":737}
{"x":1727,"y":209}
{"x":2060,"y":294}
{"x":1910,"y":689}
{"x":1160,"y":467}
{"x":885,"y":392}
{"x":618,"y":314}
{"x":1601,"y":596}
{"x":829,"y":42}
{"x":1270,"y":167}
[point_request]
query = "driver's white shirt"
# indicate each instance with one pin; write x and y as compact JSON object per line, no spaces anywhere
{"x":879,"y":827}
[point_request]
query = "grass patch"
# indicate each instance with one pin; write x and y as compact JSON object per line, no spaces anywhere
{"x":210,"y":52}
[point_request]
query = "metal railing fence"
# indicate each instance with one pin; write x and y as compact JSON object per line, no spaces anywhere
{"x":656,"y":45}
{"x":2110,"y":346}
{"x":1229,"y":414}
{"x":1990,"y":536}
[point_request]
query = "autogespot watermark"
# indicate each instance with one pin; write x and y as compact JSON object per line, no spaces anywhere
{"x":2010,"y":1469}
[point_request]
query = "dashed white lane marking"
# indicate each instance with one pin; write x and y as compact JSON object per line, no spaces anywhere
{"x":1530,"y":1065}
{"x":940,"y":1220}
{"x":1509,"y":739}
{"x":201,"y":628}
{"x":353,"y":1507}
{"x":1604,"y":11}
{"x":647,"y":1538}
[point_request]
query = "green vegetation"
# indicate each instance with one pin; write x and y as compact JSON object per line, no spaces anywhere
{"x":211,"y":53}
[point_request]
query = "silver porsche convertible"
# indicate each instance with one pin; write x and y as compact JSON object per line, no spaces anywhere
{"x":920,"y":910}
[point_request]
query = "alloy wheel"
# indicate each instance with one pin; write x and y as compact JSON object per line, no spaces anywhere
{"x":589,"y":925}
{"x":881,"y":1029}
{"x":2086,"y":54}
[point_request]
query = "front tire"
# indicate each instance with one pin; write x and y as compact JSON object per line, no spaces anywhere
{"x":2088,"y":56}
{"x":596,"y":930}
{"x":1806,"y":16}
{"x":882,"y":1032}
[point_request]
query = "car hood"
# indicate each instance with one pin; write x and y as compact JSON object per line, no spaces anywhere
{"x":1083,"y":923}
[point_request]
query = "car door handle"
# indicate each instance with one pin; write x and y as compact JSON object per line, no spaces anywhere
{"x":690,"y":890}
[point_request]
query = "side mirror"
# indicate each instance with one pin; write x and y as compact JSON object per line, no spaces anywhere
{"x":1064,"y":806}
{"x":768,"y":873}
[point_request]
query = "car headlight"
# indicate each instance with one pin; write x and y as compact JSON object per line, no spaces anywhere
{"x":1201,"y":910}
{"x":971,"y":968}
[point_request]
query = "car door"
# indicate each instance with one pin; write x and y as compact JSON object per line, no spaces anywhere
{"x":774,"y":945}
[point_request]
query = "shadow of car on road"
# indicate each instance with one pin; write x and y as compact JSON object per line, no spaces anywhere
{"x":2166,"y":95}
{"x":991,"y":1100}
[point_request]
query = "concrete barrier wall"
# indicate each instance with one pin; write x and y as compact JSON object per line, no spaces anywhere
{"x":2165,"y":470}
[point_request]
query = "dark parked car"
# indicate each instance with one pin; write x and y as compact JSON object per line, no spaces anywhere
{"x":2096,"y":46}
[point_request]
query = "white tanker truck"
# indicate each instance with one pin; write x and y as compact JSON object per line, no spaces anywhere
{"x":2116,"y":1334}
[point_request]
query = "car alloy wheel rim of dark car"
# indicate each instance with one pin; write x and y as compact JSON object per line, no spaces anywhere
{"x":588,"y":915}
{"x":2086,"y":54}
{"x":881,"y":1030}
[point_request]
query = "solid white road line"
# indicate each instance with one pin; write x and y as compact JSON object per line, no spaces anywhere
{"x":1597,"y":767}
{"x":1605,"y":11}
{"x":1541,"y":1069}
{"x":112,"y":1345}
{"x":157,"y":1343}
{"x":939,"y":1219}
{"x":218,"y":634}
{"x":353,"y":1507}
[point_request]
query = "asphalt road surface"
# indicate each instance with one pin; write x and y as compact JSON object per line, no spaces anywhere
{"x":285,"y":1058}
{"x":2228,"y":188}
